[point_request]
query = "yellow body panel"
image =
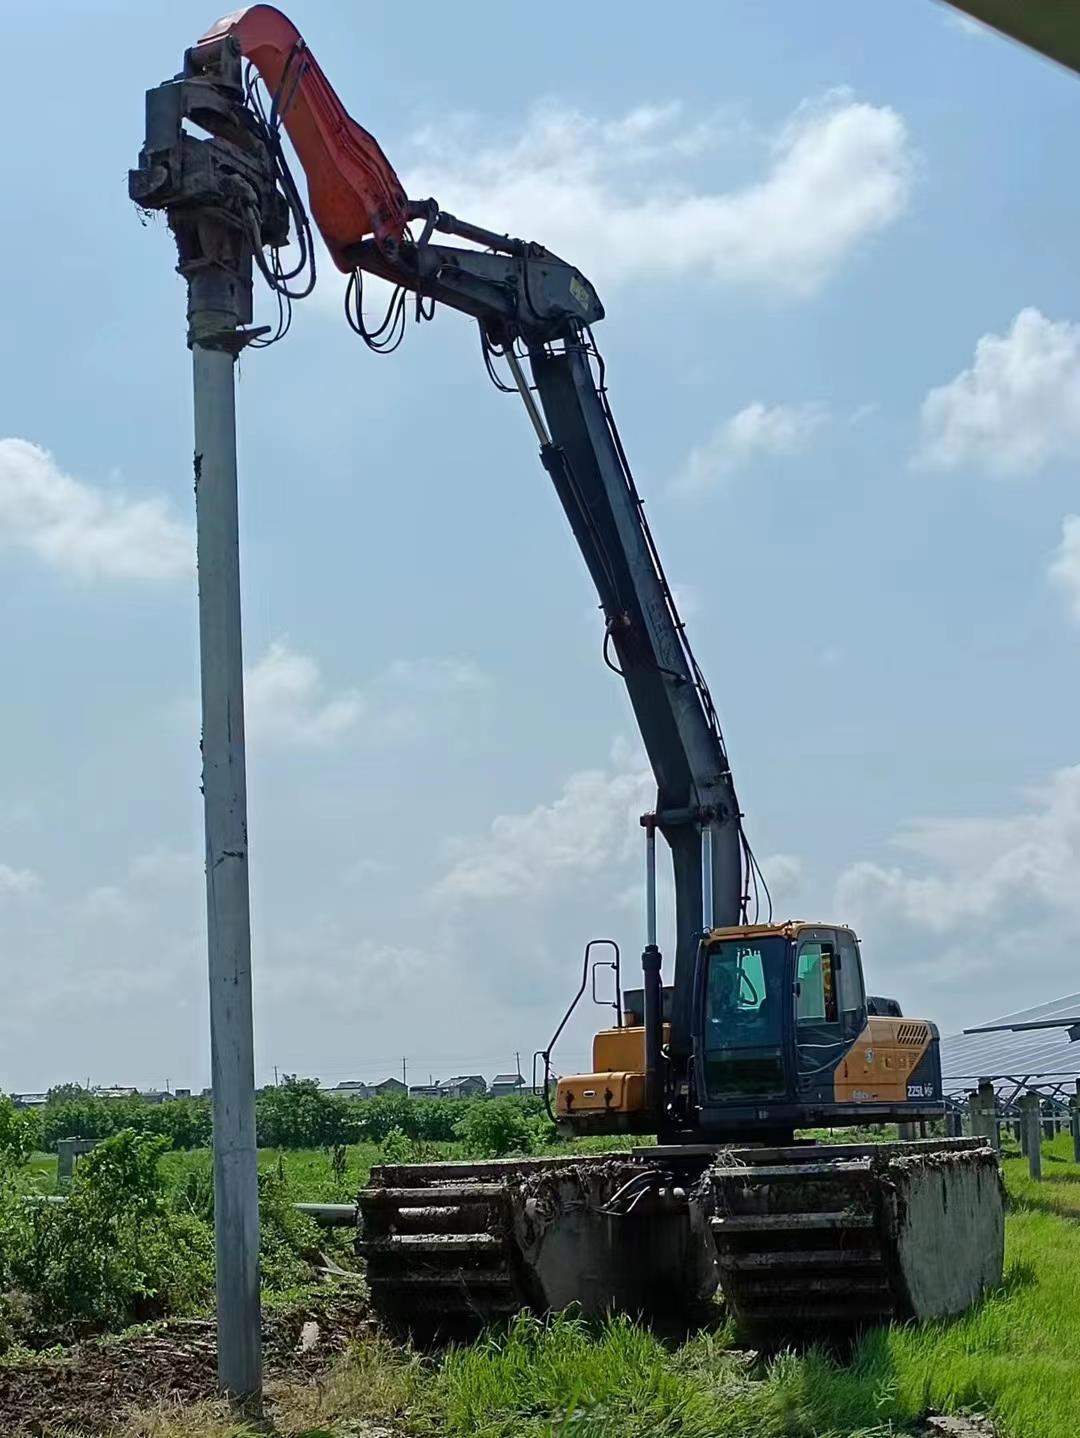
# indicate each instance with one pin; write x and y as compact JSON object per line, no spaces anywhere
{"x":600,"y":1093}
{"x":877,"y":1067}
{"x":617,"y":1083}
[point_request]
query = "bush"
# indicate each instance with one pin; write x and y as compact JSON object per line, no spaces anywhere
{"x":114,"y":1253}
{"x":496,"y":1127}
{"x":20,"y":1134}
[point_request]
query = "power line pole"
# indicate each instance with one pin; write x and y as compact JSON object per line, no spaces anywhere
{"x":404,"y":1078}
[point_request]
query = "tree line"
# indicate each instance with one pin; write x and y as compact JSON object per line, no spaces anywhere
{"x":296,"y":1114}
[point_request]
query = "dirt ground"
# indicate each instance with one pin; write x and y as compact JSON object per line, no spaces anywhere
{"x":91,"y":1386}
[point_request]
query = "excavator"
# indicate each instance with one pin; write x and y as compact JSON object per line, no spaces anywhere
{"x":765,"y":1029}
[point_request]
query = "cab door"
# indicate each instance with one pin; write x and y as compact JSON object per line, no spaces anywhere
{"x":820,"y":1038}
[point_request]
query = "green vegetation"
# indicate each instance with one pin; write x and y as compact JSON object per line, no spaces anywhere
{"x":135,"y":1239}
{"x":296,"y":1114}
{"x":131,"y":1242}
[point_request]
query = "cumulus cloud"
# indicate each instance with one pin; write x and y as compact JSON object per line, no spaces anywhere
{"x":83,"y":531}
{"x":17,"y":881}
{"x":757,"y":431}
{"x":1017,"y":408}
{"x":987,"y":899}
{"x":785,"y":876}
{"x":1065,"y":565}
{"x":588,"y":830}
{"x":288,"y":701}
{"x":618,"y":198}
{"x":978,"y":868}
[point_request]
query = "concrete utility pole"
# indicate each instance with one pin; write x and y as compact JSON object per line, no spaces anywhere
{"x":220,"y":197}
{"x":236,"y":1188}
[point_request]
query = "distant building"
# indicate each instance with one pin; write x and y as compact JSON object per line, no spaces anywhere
{"x":426,"y":1090}
{"x":390,"y":1085}
{"x":463,"y":1086}
{"x":181,"y":1093}
{"x":29,"y":1100}
{"x":351,"y":1089}
{"x":114,"y":1091}
{"x":503,"y":1085}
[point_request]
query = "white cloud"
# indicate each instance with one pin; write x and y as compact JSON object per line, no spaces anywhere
{"x":87,"y":532}
{"x":1065,"y":565}
{"x":1017,"y":407}
{"x":758,"y":430}
{"x":17,"y":881}
{"x":989,"y":901}
{"x":587,"y":830}
{"x":288,"y":702}
{"x":285,"y":700}
{"x":784,"y":874}
{"x":616,"y":199}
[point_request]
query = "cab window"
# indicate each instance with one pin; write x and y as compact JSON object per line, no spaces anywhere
{"x":816,"y":997}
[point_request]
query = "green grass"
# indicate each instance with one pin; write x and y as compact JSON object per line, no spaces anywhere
{"x":310,"y":1171}
{"x":1016,"y":1356}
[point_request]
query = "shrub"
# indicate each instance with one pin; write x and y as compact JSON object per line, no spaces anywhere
{"x":20,"y":1134}
{"x":114,"y":1253}
{"x":496,"y":1127}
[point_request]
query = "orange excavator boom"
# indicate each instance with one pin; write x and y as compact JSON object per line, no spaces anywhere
{"x":353,"y":190}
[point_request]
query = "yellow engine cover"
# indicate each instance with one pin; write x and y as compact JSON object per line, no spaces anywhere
{"x":614,"y":1093}
{"x":617,"y":1082}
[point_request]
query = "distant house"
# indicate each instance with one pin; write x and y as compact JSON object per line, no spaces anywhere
{"x":114,"y":1091}
{"x":425,"y":1090}
{"x":181,"y":1093}
{"x":29,"y":1100}
{"x":390,"y":1085}
{"x":352,"y":1089}
{"x":503,"y":1085}
{"x":463,"y":1086}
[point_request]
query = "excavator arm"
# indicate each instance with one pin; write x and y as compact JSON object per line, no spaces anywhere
{"x":533,"y":310}
{"x":352,"y":188}
{"x":1050,"y":26}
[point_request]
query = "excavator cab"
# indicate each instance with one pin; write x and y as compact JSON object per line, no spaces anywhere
{"x":778,"y":1008}
{"x":782,"y":1037}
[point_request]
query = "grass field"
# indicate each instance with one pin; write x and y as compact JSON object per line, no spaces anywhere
{"x":1016,"y":1357}
{"x":310,"y":1172}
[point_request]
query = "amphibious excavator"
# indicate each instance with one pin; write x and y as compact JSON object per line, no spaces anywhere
{"x":765,"y":1028}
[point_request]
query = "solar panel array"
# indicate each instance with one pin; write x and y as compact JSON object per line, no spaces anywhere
{"x":1029,"y":1052}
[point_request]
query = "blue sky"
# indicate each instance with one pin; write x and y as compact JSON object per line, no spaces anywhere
{"x":837,"y":255}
